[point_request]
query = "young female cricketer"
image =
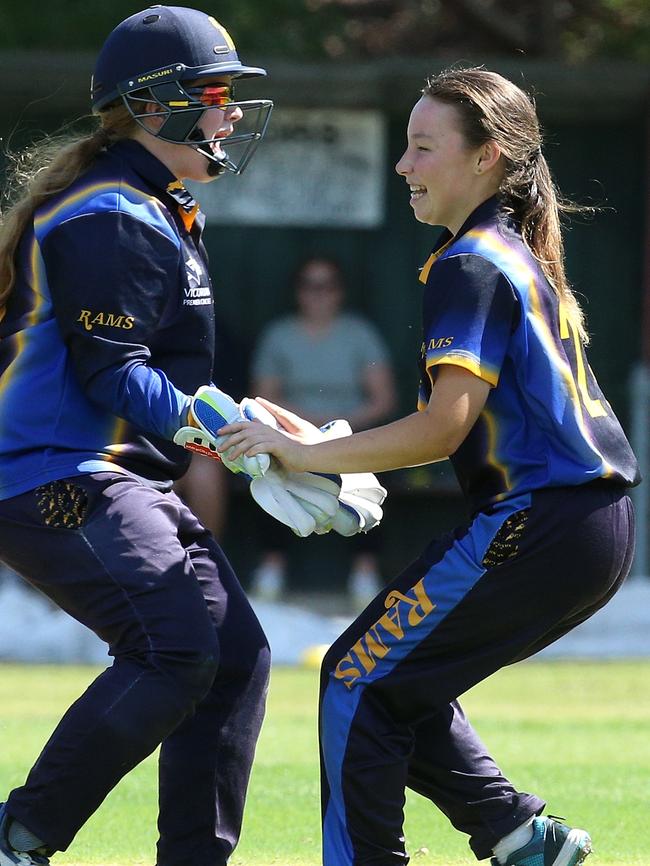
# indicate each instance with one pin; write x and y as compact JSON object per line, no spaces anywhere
{"x":506,"y":394}
{"x":106,"y":329}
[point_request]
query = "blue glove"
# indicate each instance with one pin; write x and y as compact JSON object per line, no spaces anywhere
{"x":212,"y":409}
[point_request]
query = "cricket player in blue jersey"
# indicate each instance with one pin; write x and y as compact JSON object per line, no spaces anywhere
{"x":106,"y":332}
{"x":506,"y":394}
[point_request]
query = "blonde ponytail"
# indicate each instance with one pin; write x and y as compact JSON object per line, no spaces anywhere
{"x":42,"y":171}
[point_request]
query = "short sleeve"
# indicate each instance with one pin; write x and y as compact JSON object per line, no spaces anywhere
{"x":469,"y":311}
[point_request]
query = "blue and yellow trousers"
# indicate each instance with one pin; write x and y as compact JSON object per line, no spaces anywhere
{"x":517,"y":577}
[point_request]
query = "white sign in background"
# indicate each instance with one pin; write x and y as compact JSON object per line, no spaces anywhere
{"x":314,"y":167}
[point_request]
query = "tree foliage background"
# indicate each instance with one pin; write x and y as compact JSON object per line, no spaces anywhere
{"x":570,"y":30}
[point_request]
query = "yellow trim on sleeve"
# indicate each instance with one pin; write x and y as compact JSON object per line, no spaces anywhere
{"x":467,"y":363}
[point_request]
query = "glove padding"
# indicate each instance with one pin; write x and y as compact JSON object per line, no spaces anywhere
{"x":211,"y":409}
{"x":303,"y":501}
{"x":359,"y":494}
{"x":360,"y":502}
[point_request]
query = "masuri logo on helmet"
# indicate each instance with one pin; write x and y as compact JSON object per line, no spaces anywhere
{"x":159,"y":56}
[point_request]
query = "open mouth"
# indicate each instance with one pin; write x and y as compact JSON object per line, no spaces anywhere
{"x":417,"y":191}
{"x":215,"y":144}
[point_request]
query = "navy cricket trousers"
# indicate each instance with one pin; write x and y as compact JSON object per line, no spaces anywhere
{"x":190,"y":667}
{"x":515,"y":579}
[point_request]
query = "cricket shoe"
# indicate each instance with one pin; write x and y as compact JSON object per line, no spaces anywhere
{"x":10,"y":857}
{"x":553,"y":844}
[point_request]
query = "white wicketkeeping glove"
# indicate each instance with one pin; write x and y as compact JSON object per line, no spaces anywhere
{"x":304,"y":501}
{"x":361,"y":495}
{"x":360,"y":502}
{"x":212,"y":409}
{"x":301,"y":500}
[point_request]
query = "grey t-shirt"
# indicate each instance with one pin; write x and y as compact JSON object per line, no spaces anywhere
{"x":320,"y":375}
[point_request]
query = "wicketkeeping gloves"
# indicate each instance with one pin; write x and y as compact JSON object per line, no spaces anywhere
{"x":212,"y":409}
{"x":348,"y":503}
{"x":361,"y":495}
{"x":304,"y":501}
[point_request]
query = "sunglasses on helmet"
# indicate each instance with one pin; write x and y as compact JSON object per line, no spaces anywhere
{"x":213,"y":95}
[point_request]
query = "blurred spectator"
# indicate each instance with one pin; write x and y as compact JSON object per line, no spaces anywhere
{"x":206,"y":485}
{"x":323,"y":363}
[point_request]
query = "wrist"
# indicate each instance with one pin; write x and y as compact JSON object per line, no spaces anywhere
{"x":298,"y":458}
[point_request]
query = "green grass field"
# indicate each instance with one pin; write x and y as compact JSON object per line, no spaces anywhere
{"x":576,"y":734}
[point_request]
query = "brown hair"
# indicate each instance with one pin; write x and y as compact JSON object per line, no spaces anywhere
{"x":333,"y":264}
{"x":492,"y":108}
{"x":41,"y":171}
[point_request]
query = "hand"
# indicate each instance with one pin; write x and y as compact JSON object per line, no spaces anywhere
{"x":250,"y":438}
{"x":360,"y":495}
{"x":297,"y":427}
{"x":211,"y":410}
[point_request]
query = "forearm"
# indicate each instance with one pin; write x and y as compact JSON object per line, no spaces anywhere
{"x":423,"y":437}
{"x":409,"y":441}
{"x":142,"y":395}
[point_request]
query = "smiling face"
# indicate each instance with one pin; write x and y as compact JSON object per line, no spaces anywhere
{"x":448,"y":178}
{"x":183,"y":160}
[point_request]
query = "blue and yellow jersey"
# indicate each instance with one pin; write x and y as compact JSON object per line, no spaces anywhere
{"x":109,"y":327}
{"x":489,"y":308}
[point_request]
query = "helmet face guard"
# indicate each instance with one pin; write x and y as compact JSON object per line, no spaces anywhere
{"x":160,"y":56}
{"x":182,"y":107}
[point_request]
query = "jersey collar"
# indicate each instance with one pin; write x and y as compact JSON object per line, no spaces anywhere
{"x":157,"y":175}
{"x":149,"y":167}
{"x":486,"y":211}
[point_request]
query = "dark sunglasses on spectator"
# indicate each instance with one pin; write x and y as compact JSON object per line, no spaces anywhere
{"x":316,"y":285}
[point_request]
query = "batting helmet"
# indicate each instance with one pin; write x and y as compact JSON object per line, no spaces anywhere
{"x":153,"y":56}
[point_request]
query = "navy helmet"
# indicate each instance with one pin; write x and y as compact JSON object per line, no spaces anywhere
{"x":159,"y":56}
